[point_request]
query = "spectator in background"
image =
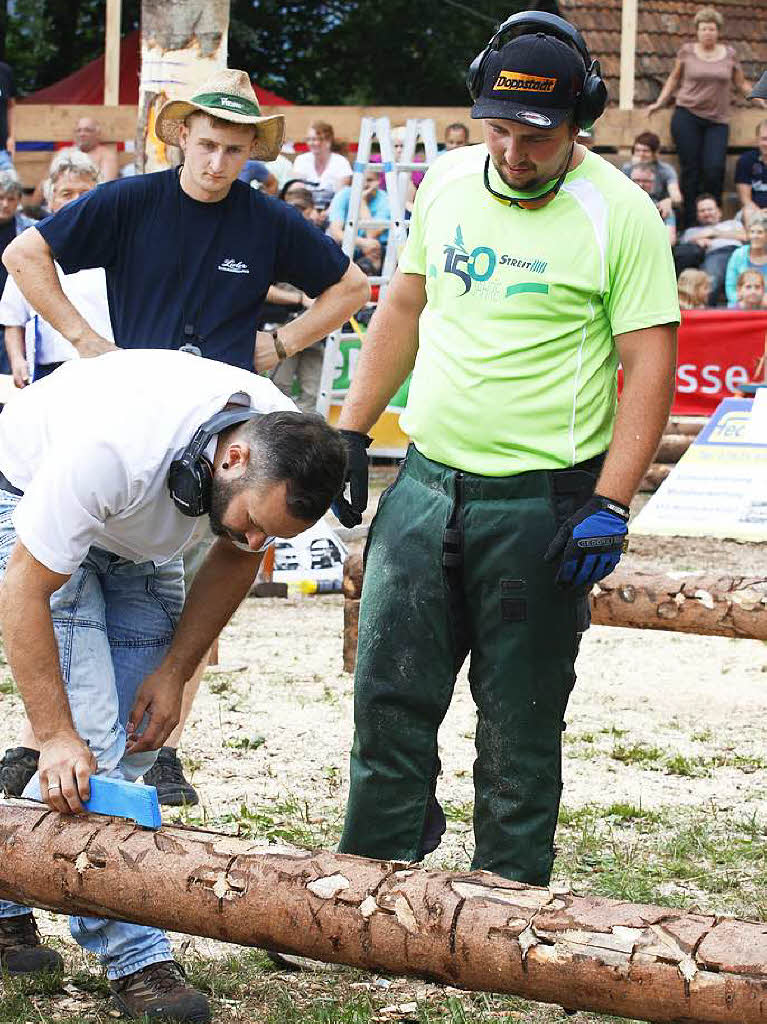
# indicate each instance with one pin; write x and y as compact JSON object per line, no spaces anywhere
{"x":694,"y":287}
{"x":31,"y":342}
{"x":7,"y":116}
{"x":750,"y":290}
{"x":370,"y":242}
{"x":703,"y":78}
{"x":12,"y":223}
{"x":644,"y":176}
{"x":103,"y":155}
{"x":456,"y":135}
{"x":751,"y":176}
{"x":747,"y":257}
{"x":665,"y":191}
{"x":283,"y":303}
{"x":282,"y":165}
{"x":303,"y":200}
{"x":717,"y":239}
{"x":321,"y":166}
{"x":256,"y":174}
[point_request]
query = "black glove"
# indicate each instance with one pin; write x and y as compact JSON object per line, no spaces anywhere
{"x":591,"y":542}
{"x":349,"y":512}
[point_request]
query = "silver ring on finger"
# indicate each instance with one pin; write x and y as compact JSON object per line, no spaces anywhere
{"x":52,"y":786}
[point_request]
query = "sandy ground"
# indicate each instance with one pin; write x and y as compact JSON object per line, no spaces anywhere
{"x":272,"y":726}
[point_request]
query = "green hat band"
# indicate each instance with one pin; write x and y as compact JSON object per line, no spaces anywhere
{"x":226,"y":101}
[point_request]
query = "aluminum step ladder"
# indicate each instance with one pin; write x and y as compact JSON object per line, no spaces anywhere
{"x":398,"y":175}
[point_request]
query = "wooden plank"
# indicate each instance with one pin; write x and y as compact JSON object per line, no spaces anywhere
{"x":56,"y":122}
{"x":112,"y":54}
{"x":628,"y":54}
{"x":616,"y":128}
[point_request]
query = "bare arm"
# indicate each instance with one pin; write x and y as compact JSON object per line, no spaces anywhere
{"x":328,"y":311}
{"x":670,"y":87}
{"x":17,"y":356}
{"x":30,"y":646}
{"x":738,"y":232}
{"x":388,"y":352}
{"x":224,"y":578}
{"x":109,"y":163}
{"x":746,"y":200}
{"x":10,"y":144}
{"x":675,"y":193}
{"x":29,"y":261}
{"x":649,"y":364}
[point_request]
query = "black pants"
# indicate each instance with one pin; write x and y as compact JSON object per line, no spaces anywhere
{"x":702,"y":148}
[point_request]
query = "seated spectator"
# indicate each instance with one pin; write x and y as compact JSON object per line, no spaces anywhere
{"x":34,"y":348}
{"x":283,"y":303}
{"x":103,"y":155}
{"x":258,"y":175}
{"x":716,"y":239}
{"x":321,"y":166}
{"x":282,"y":166}
{"x":747,"y":257}
{"x":303,"y":200}
{"x":456,"y":135}
{"x":321,"y":198}
{"x":370,"y":242}
{"x":694,"y":287}
{"x":750,"y":290}
{"x":644,"y":176}
{"x":751,"y":176}
{"x":12,"y":223}
{"x":666,"y":187}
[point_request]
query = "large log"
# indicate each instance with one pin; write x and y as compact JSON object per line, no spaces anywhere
{"x":686,"y":602}
{"x":654,"y":477}
{"x":474,"y":930}
{"x":672,"y":447}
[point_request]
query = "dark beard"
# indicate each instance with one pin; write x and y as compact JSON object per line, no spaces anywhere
{"x":221,"y":495}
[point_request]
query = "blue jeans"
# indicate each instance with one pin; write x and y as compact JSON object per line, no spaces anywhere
{"x":114,"y":621}
{"x":6,"y":163}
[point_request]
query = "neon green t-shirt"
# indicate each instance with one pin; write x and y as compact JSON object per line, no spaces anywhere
{"x":516,"y":364}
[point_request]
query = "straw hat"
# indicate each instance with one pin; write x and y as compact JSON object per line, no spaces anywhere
{"x":229,"y":96}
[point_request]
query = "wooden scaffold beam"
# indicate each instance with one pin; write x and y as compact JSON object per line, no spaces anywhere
{"x":474,"y":931}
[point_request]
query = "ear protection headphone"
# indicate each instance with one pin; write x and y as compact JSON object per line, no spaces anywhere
{"x":190,"y":478}
{"x":593,"y":98}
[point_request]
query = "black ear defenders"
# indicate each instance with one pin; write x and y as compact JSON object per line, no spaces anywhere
{"x":190,"y":478}
{"x":593,"y":98}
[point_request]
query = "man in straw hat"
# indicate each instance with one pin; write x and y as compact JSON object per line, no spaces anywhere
{"x":189,"y":254}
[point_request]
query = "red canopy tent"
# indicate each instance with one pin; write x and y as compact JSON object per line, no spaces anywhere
{"x":86,"y":86}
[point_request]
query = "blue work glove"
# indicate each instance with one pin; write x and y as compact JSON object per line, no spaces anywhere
{"x":591,"y":542}
{"x":349,"y":511}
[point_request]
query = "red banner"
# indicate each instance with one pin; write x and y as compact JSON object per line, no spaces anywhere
{"x":718,"y":351}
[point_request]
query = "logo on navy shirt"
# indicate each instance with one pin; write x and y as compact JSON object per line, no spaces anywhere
{"x":234,"y":267}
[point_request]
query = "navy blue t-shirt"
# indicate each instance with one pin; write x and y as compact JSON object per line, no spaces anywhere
{"x":750,"y":170}
{"x":172,"y":261}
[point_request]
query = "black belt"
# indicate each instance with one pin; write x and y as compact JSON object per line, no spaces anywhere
{"x":6,"y":485}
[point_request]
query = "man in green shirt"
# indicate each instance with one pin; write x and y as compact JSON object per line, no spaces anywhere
{"x":532,"y":268}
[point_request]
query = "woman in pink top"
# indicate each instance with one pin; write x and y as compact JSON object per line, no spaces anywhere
{"x":703,"y":78}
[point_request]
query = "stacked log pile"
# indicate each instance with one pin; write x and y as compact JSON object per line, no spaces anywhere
{"x":677,"y":438}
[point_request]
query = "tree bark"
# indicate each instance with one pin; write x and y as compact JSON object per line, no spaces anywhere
{"x":474,"y":931}
{"x":655,"y":476}
{"x":672,"y":447}
{"x":682,"y":602}
{"x":183,"y":42}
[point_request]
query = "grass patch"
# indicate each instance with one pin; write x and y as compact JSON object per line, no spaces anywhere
{"x":675,"y":858}
{"x":7,"y":687}
{"x":636,"y":753}
{"x":245,"y":742}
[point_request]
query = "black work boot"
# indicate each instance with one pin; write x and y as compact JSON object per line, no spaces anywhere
{"x":167,"y":777}
{"x":160,"y":990}
{"x":17,"y":767}
{"x":21,"y":951}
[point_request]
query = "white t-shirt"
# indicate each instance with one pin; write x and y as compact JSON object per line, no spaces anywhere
{"x":86,"y":290}
{"x":91,"y":446}
{"x":332,"y":177}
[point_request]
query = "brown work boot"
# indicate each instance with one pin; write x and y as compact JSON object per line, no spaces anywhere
{"x":21,"y":951}
{"x":160,"y":990}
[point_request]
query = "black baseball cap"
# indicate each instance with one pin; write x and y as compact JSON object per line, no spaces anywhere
{"x":535,"y":79}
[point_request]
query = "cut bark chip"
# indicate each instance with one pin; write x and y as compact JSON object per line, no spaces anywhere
{"x":472,"y":931}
